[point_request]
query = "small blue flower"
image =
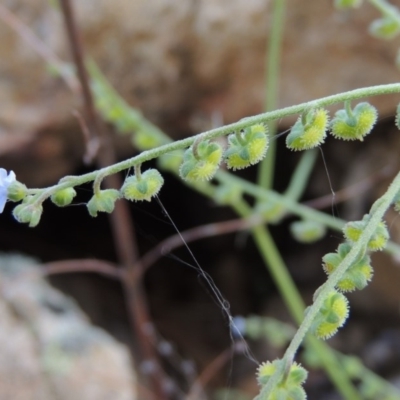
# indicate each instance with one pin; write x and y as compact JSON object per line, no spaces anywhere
{"x":5,"y":182}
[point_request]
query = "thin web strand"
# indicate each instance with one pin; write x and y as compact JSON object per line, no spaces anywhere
{"x":216,"y":293}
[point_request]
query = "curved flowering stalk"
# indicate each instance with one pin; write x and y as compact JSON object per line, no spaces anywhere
{"x":31,"y":208}
{"x":358,"y":250}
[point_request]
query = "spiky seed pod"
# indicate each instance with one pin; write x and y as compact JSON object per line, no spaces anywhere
{"x":144,"y":187}
{"x":309,"y":131}
{"x":353,"y":230}
{"x":291,"y":387}
{"x":357,"y":276}
{"x":332,"y":315}
{"x":247,"y":147}
{"x":201,"y":161}
{"x":355,"y":124}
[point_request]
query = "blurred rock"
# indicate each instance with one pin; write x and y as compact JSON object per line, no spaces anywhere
{"x":49,"y":350}
{"x":181,"y":63}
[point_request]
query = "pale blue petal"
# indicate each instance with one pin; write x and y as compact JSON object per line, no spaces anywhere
{"x":3,"y":175}
{"x":5,"y":181}
{"x":10,"y":178}
{"x":3,"y":199}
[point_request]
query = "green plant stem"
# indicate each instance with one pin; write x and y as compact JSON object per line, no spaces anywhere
{"x":294,"y":302}
{"x":349,"y":111}
{"x":295,"y":208}
{"x":273,"y":59}
{"x":138,"y":172}
{"x":214,"y":133}
{"x":300,"y":176}
{"x":378,"y":210}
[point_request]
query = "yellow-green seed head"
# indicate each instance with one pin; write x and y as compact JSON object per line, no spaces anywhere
{"x":357,"y":126}
{"x":247,"y":148}
{"x":353,"y":230}
{"x":266,"y":370}
{"x":332,"y":316}
{"x":143,"y":188}
{"x":201,"y":163}
{"x":309,"y":131}
{"x":379,"y":238}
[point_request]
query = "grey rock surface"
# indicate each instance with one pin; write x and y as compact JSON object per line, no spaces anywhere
{"x":49,"y":350}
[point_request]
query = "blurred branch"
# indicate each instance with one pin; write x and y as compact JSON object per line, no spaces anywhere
{"x":44,"y":51}
{"x":122,"y":227}
{"x":82,"y":265}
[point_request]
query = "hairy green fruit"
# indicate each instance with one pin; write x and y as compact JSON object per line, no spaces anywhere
{"x":354,"y":124}
{"x":332,"y":315}
{"x":144,"y":187}
{"x":247,"y":148}
{"x":309,"y":131}
{"x":201,"y":161}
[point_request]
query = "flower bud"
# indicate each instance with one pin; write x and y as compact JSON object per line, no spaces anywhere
{"x":103,"y":201}
{"x":16,"y":191}
{"x":63,"y":197}
{"x":28,"y":213}
{"x":143,"y":188}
